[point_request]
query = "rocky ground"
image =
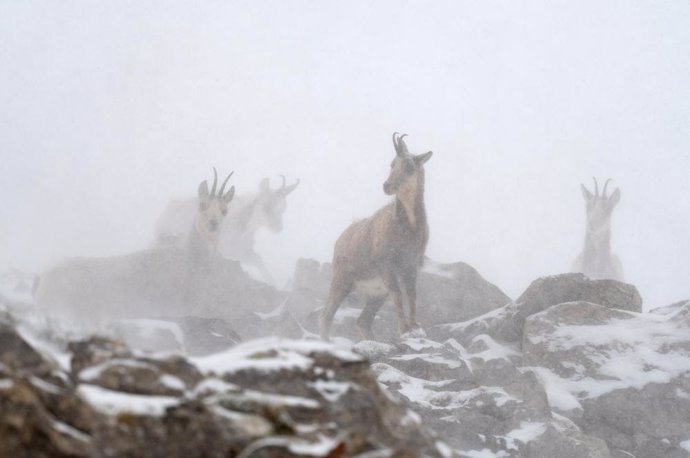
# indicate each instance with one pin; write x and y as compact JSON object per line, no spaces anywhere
{"x":571,"y":368}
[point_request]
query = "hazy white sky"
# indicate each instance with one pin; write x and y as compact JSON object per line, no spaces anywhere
{"x":110,"y":108}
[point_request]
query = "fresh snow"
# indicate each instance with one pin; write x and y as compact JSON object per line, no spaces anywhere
{"x":330,"y":389}
{"x":93,"y":372}
{"x":68,"y":430}
{"x":271,"y":354}
{"x":528,"y":431}
{"x":484,"y":453}
{"x":622,"y":353}
{"x":685,"y":445}
{"x":114,"y":402}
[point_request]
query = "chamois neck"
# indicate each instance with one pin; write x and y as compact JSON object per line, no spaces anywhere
{"x":597,"y":248}
{"x":199,"y":249}
{"x":411,"y":199}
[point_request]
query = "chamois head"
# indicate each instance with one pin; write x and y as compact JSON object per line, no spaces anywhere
{"x":212,"y":207}
{"x":271,"y":204}
{"x":406,"y":168}
{"x":599,"y":207}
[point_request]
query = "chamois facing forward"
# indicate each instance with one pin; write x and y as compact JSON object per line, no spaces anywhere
{"x":381,"y":255}
{"x":247,"y":214}
{"x":154,"y":281}
{"x":596,"y":259}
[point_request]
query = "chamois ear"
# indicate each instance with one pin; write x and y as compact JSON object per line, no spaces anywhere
{"x":229,"y":195}
{"x":265,"y":185}
{"x":203,"y":190}
{"x":615,"y":198}
{"x":585,"y":193}
{"x":422,"y":158}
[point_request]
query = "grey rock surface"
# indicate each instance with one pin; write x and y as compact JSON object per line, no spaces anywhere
{"x":623,"y":377}
{"x":268,"y":398}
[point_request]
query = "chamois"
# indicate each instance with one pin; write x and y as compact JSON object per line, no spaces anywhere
{"x":247,"y":214}
{"x":381,"y":255}
{"x":596,"y":259}
{"x":140,"y":282}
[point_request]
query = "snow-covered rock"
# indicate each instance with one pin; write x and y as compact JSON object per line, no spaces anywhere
{"x":506,"y":323}
{"x":478,"y":398}
{"x":265,"y":398}
{"x":622,"y":376}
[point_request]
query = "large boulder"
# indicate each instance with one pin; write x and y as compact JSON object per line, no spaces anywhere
{"x":506,"y":323}
{"x":446,"y":293}
{"x":152,"y":284}
{"x":477,"y":398}
{"x":622,"y":376}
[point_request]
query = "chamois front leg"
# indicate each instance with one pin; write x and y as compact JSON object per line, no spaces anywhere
{"x":409,"y":286}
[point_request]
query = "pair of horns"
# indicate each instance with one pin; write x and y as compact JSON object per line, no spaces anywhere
{"x":596,"y":187}
{"x":399,"y":144}
{"x":215,"y":183}
{"x":287,"y":189}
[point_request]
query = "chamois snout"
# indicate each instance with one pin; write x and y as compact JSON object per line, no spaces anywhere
{"x":388,"y":188}
{"x":213,"y":225}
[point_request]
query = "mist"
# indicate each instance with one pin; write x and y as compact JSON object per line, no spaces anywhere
{"x":110,"y":109}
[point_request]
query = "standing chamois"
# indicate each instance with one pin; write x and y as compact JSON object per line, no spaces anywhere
{"x":248,"y":213}
{"x":596,"y":259}
{"x":381,"y":255}
{"x":159,"y":280}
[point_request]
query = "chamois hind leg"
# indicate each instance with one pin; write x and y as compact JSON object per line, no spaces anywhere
{"x":340,"y":288}
{"x":393,"y":285}
{"x":366,"y":318}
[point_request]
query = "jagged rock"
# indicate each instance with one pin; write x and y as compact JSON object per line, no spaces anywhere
{"x":448,"y":293}
{"x":622,"y":376}
{"x":269,"y":398}
{"x":477,"y":398}
{"x":506,"y":323}
{"x":563,"y":439}
{"x":445,"y":293}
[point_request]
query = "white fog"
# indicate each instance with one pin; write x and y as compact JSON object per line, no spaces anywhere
{"x":108,"y":110}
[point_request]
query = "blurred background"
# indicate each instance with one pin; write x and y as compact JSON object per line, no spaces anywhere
{"x":109,"y":109}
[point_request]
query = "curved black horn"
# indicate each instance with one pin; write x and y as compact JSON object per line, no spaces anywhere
{"x":287,"y":190}
{"x":215,"y":182}
{"x":222,"y":188}
{"x":403,"y":146}
{"x":395,"y":143}
{"x":603,"y":194}
{"x":596,"y":187}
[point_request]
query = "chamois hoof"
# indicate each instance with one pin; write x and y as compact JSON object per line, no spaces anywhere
{"x":414,"y":333}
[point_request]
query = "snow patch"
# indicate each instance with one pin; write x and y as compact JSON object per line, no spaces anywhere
{"x":113,"y":402}
{"x":331,"y":390}
{"x":685,"y":445}
{"x":528,"y":431}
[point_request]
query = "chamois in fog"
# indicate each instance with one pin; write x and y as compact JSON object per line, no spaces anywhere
{"x":247,"y":214}
{"x":158,"y":280}
{"x":596,"y":259}
{"x":381,"y":255}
